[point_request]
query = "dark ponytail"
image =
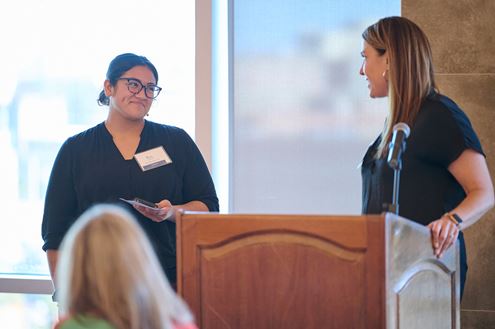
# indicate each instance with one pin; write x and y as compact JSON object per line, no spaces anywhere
{"x":103,"y":99}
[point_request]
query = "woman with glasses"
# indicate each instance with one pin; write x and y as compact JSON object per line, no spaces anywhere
{"x":128,"y":157}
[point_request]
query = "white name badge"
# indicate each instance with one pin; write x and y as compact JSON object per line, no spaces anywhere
{"x":153,"y":158}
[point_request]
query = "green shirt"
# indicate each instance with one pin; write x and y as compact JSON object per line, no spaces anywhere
{"x":85,"y":322}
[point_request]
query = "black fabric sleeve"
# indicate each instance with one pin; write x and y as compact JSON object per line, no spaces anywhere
{"x":444,"y":132}
{"x":60,"y":208}
{"x":198,"y":184}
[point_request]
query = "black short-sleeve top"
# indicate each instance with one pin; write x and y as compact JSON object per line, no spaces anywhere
{"x":440,"y":133}
{"x":89,"y":169}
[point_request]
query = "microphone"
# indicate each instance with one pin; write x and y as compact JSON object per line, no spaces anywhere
{"x":398,"y":145}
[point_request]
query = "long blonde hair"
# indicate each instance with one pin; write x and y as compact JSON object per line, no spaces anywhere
{"x":107,"y":269}
{"x":410,"y":74}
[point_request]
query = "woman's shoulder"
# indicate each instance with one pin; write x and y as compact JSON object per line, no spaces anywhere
{"x":163,"y":128}
{"x":442,"y":122}
{"x":83,"y":322}
{"x":173,"y":134}
{"x":440,"y":113}
{"x":441,"y":107}
{"x":86,"y":135}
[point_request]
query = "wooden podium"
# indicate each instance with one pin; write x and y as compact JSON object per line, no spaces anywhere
{"x":308,"y":271}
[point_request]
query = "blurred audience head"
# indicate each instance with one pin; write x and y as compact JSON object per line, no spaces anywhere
{"x":107,"y":268}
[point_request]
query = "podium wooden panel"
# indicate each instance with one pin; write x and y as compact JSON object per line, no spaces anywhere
{"x":290,"y":271}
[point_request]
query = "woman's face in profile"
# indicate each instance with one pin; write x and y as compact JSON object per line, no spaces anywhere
{"x":375,"y":69}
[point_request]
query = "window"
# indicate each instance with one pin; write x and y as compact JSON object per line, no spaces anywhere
{"x":53,"y":70}
{"x":302,"y":117}
{"x":27,"y":311}
{"x":299,"y":122}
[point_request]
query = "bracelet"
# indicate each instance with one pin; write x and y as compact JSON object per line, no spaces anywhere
{"x":454,"y":218}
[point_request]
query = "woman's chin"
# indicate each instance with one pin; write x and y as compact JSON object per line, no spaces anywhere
{"x":377,"y":95}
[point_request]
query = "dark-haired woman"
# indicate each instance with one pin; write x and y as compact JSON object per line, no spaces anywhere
{"x":125,"y":157}
{"x":445,"y":183}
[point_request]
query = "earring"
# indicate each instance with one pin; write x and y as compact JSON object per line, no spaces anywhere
{"x":385,"y":74}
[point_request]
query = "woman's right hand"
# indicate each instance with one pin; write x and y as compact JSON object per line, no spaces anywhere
{"x":444,"y":233}
{"x":164,"y":211}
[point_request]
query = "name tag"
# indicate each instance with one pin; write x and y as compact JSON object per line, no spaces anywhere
{"x":152,"y":158}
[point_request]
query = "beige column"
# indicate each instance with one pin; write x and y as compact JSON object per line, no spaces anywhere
{"x":462,"y":34}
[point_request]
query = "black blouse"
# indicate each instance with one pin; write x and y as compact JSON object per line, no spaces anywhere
{"x":440,"y":134}
{"x":89,"y":169}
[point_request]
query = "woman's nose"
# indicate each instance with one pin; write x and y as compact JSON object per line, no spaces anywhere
{"x":141,"y":93}
{"x":361,"y":69}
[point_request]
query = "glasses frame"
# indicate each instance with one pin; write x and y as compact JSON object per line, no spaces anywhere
{"x":143,"y":86}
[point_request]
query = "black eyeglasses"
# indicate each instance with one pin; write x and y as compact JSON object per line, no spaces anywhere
{"x":135,"y":86}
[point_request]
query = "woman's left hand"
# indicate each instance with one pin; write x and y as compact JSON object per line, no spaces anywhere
{"x":165,"y":210}
{"x":443,"y":235}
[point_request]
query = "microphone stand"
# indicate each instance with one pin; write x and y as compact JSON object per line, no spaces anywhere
{"x":396,"y":147}
{"x":394,"y":207}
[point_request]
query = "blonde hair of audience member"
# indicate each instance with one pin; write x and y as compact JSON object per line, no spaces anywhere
{"x":109,"y":270}
{"x":410,"y":73}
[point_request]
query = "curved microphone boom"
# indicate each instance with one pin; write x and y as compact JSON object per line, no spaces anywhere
{"x":397,"y":145}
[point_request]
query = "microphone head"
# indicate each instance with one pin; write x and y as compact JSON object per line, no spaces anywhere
{"x":403,"y":127}
{"x":397,"y":144}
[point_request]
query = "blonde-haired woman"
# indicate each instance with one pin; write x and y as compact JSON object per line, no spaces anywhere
{"x":109,"y":277}
{"x":445,"y":183}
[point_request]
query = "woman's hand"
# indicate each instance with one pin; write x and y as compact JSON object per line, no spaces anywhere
{"x":444,"y":233}
{"x":165,"y":210}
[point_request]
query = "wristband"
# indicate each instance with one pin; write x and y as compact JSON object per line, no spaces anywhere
{"x":454,"y":218}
